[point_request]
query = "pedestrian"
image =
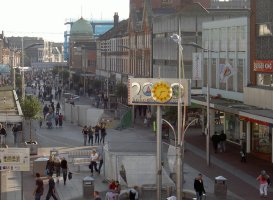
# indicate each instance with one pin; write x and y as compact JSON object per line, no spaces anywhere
{"x":58,"y":107}
{"x":199,"y":187}
{"x":100,"y":158}
{"x":3,"y":134}
{"x":97,"y":133}
{"x":40,"y":122}
{"x":102,"y":132}
{"x":97,"y":195}
{"x":117,"y":187}
{"x":111,"y":195}
{"x":61,"y":119}
{"x":56,"y":119}
{"x":15,"y":132}
{"x":85,"y":134}
{"x":262,"y":178}
{"x":93,"y":163}
{"x":57,"y":167}
{"x":64,"y":168}
{"x":148,"y":118}
{"x":39,"y":189}
{"x":90,"y":135}
{"x":51,"y":188}
{"x":133,"y":193}
{"x":50,"y":166}
{"x":243,"y":156}
{"x":223,"y":138}
{"x":215,"y":141}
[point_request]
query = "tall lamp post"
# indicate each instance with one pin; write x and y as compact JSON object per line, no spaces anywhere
{"x":208,"y":99}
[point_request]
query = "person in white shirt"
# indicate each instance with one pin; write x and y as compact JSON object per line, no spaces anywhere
{"x":93,"y":164}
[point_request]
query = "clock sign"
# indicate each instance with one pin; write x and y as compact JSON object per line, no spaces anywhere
{"x":161,"y":92}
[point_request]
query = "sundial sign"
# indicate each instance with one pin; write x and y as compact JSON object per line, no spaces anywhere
{"x":143,"y":91}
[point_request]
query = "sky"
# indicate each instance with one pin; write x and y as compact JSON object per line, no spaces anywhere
{"x":46,"y":18}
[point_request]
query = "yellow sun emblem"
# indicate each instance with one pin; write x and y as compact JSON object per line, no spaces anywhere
{"x":161,"y":92}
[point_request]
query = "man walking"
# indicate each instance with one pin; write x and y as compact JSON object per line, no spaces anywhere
{"x":93,"y":164}
{"x":199,"y":187}
{"x":51,"y":188}
{"x":64,"y":169}
{"x":85,"y":133}
{"x":15,"y":131}
{"x":39,"y":189}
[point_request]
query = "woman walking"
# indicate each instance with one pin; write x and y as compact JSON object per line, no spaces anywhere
{"x":262,"y":178}
{"x":102,"y":132}
{"x":97,"y":133}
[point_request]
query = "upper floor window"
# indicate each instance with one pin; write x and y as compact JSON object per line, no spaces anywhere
{"x":265,"y":29}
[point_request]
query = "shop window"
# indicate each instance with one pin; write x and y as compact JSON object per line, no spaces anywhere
{"x":261,"y":139}
{"x":232,"y":127}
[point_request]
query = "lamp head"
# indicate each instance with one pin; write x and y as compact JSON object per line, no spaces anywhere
{"x":176,"y":38}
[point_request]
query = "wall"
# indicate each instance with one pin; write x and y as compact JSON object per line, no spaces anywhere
{"x":252,"y":96}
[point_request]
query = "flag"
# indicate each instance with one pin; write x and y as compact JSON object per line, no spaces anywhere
{"x":226,"y":71}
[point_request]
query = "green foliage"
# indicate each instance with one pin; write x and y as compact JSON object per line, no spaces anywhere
{"x":170,"y":113}
{"x":55,"y":70}
{"x":96,"y":83}
{"x":121,"y":90}
{"x":65,"y":75}
{"x":31,"y":107}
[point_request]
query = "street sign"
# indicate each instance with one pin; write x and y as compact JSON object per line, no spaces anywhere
{"x":155,"y":91}
{"x":14,"y":159}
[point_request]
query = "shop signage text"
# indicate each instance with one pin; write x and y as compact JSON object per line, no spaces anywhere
{"x":263,"y":65}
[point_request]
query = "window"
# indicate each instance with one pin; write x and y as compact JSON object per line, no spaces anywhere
{"x":265,"y":29}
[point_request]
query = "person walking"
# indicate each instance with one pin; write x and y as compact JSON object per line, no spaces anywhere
{"x":148,"y":118}
{"x":61,"y":119}
{"x":97,"y":133}
{"x":93,"y":164}
{"x":100,"y":158}
{"x":51,"y":188}
{"x":85,"y":133}
{"x":15,"y":132}
{"x":262,"y":178}
{"x":39,"y":189}
{"x":50,"y":166}
{"x":223,"y":138}
{"x":102,"y":132}
{"x":57,"y":167}
{"x":215,"y":141}
{"x":64,"y":168}
{"x":90,"y":135}
{"x":56,"y":119}
{"x":97,"y":195}
{"x":199,"y":187}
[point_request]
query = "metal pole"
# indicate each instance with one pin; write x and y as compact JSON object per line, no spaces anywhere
{"x":208,"y":112}
{"x":23,"y":72}
{"x":22,"y":186}
{"x":1,"y":185}
{"x":159,"y":152}
{"x":179,"y":127}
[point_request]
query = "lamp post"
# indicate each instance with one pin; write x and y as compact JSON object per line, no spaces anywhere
{"x":23,"y":63}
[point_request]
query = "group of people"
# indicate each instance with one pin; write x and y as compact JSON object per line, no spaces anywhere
{"x":219,"y":142}
{"x":98,"y":132}
{"x":51,"y":116}
{"x":54,"y":164}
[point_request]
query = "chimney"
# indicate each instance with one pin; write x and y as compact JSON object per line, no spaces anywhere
{"x":116,"y":19}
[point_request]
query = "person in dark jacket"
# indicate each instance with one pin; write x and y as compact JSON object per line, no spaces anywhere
{"x":215,"y":141}
{"x":199,"y":187}
{"x":223,"y":138}
{"x":64,"y":168}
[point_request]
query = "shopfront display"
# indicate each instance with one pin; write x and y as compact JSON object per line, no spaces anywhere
{"x":261,"y":141}
{"x":264,"y":72}
{"x":232,"y":127}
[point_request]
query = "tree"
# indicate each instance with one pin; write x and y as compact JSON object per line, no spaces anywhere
{"x":121,"y":91}
{"x":31,"y":108}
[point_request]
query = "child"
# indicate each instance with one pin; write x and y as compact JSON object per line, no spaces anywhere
{"x":243,"y":156}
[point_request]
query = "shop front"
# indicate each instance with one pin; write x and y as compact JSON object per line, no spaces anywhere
{"x":264,"y":72}
{"x":232,"y":128}
{"x":260,"y":138}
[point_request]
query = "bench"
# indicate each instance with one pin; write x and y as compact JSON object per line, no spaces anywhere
{"x":78,"y":154}
{"x":80,"y":161}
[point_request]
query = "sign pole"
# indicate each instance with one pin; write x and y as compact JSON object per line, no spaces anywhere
{"x":22,"y":186}
{"x":159,"y":152}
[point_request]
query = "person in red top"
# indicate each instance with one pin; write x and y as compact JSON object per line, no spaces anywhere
{"x":262,"y":178}
{"x":112,"y":185}
{"x":61,"y":119}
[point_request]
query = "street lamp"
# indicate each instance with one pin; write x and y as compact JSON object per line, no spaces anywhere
{"x":208,"y":99}
{"x":23,"y":63}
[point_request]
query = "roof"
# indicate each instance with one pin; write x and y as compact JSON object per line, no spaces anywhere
{"x":117,"y":31}
{"x":81,"y":27}
{"x":236,"y":107}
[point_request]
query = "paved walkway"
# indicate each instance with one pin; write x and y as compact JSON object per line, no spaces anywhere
{"x":241,"y":177}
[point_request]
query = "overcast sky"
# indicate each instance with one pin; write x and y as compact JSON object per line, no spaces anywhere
{"x":46,"y":18}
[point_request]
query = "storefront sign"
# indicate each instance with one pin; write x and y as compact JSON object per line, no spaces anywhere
{"x":196,"y":66}
{"x":14,"y":159}
{"x":254,"y":121}
{"x":263,"y":66}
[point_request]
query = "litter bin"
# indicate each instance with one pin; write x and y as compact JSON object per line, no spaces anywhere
{"x":88,"y":187}
{"x":39,"y":166}
{"x":220,"y":186}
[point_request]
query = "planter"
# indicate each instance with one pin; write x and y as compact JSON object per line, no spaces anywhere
{"x":33,"y":147}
